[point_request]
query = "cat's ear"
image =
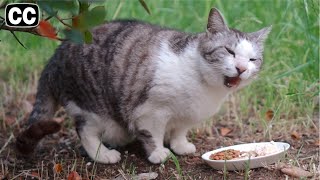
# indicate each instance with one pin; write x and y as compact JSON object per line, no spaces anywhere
{"x":261,"y":35}
{"x":216,"y":22}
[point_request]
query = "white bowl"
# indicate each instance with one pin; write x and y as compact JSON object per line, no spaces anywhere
{"x":253,"y":162}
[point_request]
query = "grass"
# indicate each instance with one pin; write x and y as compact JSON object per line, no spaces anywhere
{"x":288,"y":83}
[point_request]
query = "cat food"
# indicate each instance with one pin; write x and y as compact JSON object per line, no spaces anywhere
{"x":232,"y":154}
{"x":225,"y":155}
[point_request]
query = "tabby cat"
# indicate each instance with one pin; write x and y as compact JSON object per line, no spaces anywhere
{"x":144,"y":82}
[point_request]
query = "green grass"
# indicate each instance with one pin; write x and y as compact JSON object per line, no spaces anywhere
{"x":289,"y":80}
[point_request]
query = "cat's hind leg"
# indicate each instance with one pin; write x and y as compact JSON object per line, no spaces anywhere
{"x":91,"y":141}
{"x":90,"y":129}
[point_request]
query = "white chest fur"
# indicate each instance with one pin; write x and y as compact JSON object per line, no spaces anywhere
{"x":181,"y":87}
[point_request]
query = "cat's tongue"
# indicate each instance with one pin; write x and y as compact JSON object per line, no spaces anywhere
{"x":231,"y":81}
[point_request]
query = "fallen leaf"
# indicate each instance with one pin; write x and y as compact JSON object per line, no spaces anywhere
{"x":9,"y":120}
{"x":58,"y":168}
{"x":147,"y":176}
{"x":46,"y":29}
{"x":225,"y":131}
{"x":269,"y":115}
{"x":317,"y":142}
{"x":296,"y":172}
{"x":74,"y":176}
{"x":35,"y":174}
{"x":141,"y":176}
{"x":295,"y":135}
{"x":58,"y":120}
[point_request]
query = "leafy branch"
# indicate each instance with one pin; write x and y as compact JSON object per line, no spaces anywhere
{"x":82,"y":18}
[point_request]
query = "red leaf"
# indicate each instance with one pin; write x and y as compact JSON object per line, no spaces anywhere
{"x":269,"y":115}
{"x":35,"y":174}
{"x":295,"y":135}
{"x":75,"y":21}
{"x":58,"y":168}
{"x":74,"y":176}
{"x":47,"y":30}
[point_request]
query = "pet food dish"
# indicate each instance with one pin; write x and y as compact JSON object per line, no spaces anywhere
{"x":243,"y":156}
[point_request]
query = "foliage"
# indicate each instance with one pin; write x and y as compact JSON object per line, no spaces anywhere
{"x":84,"y":16}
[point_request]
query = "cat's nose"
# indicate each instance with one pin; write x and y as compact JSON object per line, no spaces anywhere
{"x":241,"y":69}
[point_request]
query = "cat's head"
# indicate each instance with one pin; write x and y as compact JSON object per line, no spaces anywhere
{"x":232,"y":58}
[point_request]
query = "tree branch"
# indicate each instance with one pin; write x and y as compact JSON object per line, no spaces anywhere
{"x":28,"y":30}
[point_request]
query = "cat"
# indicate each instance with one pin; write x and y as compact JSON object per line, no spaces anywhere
{"x":145,"y":82}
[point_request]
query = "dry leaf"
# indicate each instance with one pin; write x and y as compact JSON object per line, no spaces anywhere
{"x":35,"y":174}
{"x":296,"y":172}
{"x":225,"y":131}
{"x":58,"y":168}
{"x":9,"y":120}
{"x":295,"y":135}
{"x":74,"y":176}
{"x":269,"y":115}
{"x":317,"y":142}
{"x":58,"y":120}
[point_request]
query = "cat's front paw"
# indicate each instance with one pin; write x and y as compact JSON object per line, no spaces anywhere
{"x":183,"y":148}
{"x":108,"y":157}
{"x":159,"y":155}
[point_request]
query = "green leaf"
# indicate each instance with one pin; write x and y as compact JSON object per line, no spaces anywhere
{"x":51,"y":5}
{"x":47,"y":8}
{"x":143,"y":3}
{"x":83,"y":6}
{"x":74,"y":35}
{"x":89,"y":19}
{"x":87,"y":37}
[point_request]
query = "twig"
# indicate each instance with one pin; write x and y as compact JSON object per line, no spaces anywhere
{"x":28,"y":30}
{"x":6,"y":144}
{"x":48,"y":18}
{"x":60,"y":20}
{"x":3,"y":4}
{"x":122,"y":174}
{"x":14,"y":35}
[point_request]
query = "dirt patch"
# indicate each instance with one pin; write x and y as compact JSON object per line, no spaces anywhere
{"x":65,"y":149}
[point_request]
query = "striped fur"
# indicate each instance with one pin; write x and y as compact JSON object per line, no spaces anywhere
{"x":145,"y":82}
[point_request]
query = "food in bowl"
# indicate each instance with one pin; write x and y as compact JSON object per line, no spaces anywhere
{"x":225,"y":155}
{"x":231,"y":154}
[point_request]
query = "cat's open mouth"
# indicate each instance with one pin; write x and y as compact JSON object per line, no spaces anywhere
{"x":231,"y":81}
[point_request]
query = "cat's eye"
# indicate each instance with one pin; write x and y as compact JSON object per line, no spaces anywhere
{"x":252,"y":59}
{"x":231,"y":52}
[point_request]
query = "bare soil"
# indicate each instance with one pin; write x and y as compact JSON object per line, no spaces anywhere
{"x":59,"y":154}
{"x":65,"y":149}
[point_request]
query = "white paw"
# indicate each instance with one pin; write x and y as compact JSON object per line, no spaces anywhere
{"x":107,"y":156}
{"x":183,"y":148}
{"x":159,"y":155}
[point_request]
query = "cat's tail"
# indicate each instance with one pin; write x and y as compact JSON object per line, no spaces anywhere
{"x":40,"y":122}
